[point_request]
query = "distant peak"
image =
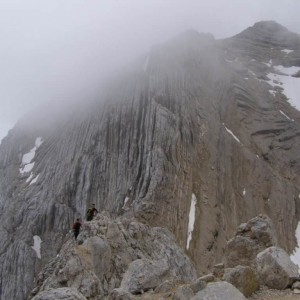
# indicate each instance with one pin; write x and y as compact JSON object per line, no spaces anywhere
{"x":271,"y":33}
{"x":270,"y":26}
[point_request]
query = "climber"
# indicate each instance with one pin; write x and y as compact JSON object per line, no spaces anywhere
{"x":76,"y":228}
{"x":91,"y":213}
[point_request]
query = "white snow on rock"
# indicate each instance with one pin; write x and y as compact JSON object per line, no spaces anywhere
{"x":290,"y":85}
{"x":30,"y":177}
{"x":286,"y":116}
{"x":244,"y":192}
{"x":27,"y":158}
{"x":295,"y":257}
{"x":287,"y":51}
{"x":38,"y":142}
{"x":27,"y":168}
{"x":233,"y":135}
{"x":34,"y":180}
{"x":272,"y":92}
{"x":125,"y":202}
{"x":287,"y":70}
{"x":37,"y":245}
{"x":192,"y":215}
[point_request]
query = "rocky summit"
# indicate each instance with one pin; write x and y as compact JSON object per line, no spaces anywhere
{"x":197,"y":137}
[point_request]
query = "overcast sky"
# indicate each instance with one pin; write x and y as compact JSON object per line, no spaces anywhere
{"x":51,"y":50}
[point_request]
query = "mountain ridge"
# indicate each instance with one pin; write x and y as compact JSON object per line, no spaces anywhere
{"x":196,"y":118}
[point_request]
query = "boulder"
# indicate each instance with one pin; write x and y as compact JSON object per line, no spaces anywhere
{"x":60,"y":293}
{"x":251,"y":238}
{"x":243,"y":278}
{"x":100,"y":254}
{"x":296,"y":285}
{"x":119,"y":294}
{"x":184,"y":292}
{"x":165,"y":286}
{"x":144,"y":274}
{"x":207,"y":278}
{"x":219,"y":291}
{"x":275,"y":268}
{"x":198,"y":285}
{"x":218,"y":270}
{"x":241,"y":250}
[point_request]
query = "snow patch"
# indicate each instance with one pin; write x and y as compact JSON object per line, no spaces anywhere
{"x":37,"y":245}
{"x":244,"y":192}
{"x":286,"y":116}
{"x":234,"y":136}
{"x":290,"y":85}
{"x":27,"y":158}
{"x":30,"y":177}
{"x":125,"y":202}
{"x":34,"y":180}
{"x":295,"y":257}
{"x":287,"y":51}
{"x":192,"y":215}
{"x":287,"y":70}
{"x":272,"y":92}
{"x":27,"y":168}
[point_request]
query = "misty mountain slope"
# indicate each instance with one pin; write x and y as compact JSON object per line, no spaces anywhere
{"x":197,"y":119}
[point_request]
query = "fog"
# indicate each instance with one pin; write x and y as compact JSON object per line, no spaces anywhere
{"x":62,"y":50}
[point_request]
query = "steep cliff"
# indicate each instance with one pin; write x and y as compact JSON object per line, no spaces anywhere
{"x":198,"y":137}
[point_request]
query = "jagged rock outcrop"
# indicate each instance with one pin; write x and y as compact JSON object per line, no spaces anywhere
{"x":255,"y":261}
{"x":275,"y":268}
{"x":251,"y":238}
{"x":197,"y":124}
{"x":114,"y":258}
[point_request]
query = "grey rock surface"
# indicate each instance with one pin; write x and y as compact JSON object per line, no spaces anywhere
{"x":116,"y":258}
{"x":219,"y":291}
{"x":184,"y":292}
{"x":198,"y":120}
{"x":275,"y":268}
{"x":144,"y":274}
{"x":251,"y":238}
{"x":60,"y":294}
{"x":244,"y":278}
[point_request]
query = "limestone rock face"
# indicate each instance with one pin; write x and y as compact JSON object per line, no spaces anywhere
{"x":219,"y":291}
{"x":196,"y":123}
{"x":275,"y":268}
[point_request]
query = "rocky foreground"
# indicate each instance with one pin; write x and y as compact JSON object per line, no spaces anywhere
{"x":125,"y":259}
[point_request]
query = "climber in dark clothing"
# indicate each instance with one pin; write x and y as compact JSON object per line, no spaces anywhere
{"x":91,"y":213}
{"x":76,"y":228}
